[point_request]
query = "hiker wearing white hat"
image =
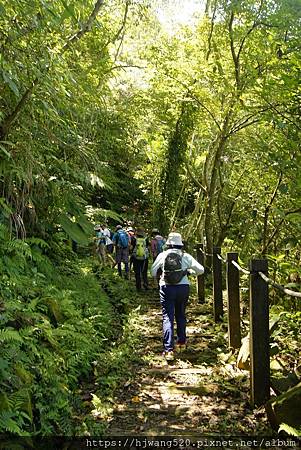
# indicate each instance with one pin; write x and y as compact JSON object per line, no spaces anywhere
{"x":174,"y":239}
{"x":174,"y":265}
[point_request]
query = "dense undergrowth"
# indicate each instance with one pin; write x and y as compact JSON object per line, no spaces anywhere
{"x":57,"y":331}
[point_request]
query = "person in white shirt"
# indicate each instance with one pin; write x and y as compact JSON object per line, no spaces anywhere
{"x":107,"y":235}
{"x":100,"y":244}
{"x":174,"y":265}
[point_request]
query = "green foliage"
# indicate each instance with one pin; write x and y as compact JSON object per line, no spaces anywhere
{"x":289,"y":430}
{"x":198,"y":130}
{"x":74,"y":230}
{"x":52,"y":330}
{"x":285,"y":338}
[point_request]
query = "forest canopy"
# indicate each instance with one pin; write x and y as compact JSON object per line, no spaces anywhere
{"x":102,"y":104}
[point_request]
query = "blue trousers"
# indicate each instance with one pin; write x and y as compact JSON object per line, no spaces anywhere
{"x":173,"y":300}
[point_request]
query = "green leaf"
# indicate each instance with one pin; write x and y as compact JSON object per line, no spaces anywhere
{"x":85,"y":224}
{"x":290,"y":430}
{"x":69,"y":10}
{"x":5,"y":151}
{"x":9,"y":335}
{"x":73,"y":230}
{"x":11,"y":83}
{"x":3,"y":364}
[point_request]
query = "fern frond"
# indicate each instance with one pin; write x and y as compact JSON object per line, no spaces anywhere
{"x":23,"y":374}
{"x":4,"y":403}
{"x":7,"y":423}
{"x":5,"y":207}
{"x":37,"y":241}
{"x":19,"y":246}
{"x":21,"y":400}
{"x":10,"y":335}
{"x":4,"y":233}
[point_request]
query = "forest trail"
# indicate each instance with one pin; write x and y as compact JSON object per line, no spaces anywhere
{"x":200,"y":392}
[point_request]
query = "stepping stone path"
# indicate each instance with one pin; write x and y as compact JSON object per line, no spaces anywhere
{"x":200,"y":392}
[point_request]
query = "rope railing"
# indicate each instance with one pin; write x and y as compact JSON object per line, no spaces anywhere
{"x":205,"y":253}
{"x":221,"y":258}
{"x":259,"y":333}
{"x":241,"y":269}
{"x":247,"y":272}
{"x":278,"y":286}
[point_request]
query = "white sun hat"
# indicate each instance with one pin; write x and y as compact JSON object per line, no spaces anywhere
{"x":174,"y":239}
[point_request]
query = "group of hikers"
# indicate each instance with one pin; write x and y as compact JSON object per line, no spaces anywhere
{"x":171,"y":266}
{"x":132,"y":250}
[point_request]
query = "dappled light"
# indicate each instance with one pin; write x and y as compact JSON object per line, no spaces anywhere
{"x":197,"y":393}
{"x":150,"y":221}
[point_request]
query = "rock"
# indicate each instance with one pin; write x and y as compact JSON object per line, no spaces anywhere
{"x":285,"y":409}
{"x":243,"y":361}
{"x":276,"y":365}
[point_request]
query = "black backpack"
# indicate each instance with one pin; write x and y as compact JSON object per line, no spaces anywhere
{"x":172,"y":268}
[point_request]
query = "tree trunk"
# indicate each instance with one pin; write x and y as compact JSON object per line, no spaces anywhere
{"x":211,"y":180}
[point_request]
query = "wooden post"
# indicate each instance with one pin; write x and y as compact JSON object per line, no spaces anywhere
{"x":259,"y":334}
{"x":217,"y":285}
{"x":201,"y":278}
{"x":234,"y":334}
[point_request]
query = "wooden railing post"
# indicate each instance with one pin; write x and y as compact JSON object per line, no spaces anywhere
{"x":259,"y":334}
{"x":217,"y":285}
{"x":234,"y":334}
{"x":201,"y":278}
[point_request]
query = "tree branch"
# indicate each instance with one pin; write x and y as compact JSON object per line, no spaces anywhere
{"x":244,"y":39}
{"x":121,"y":30}
{"x":255,"y":24}
{"x":10,"y":118}
{"x":211,"y":32}
{"x":246,"y":122}
{"x":195,"y":180}
{"x":86,"y":27}
{"x":277,"y":228}
{"x":282,"y":114}
{"x":234,"y":56}
{"x":191,"y":95}
{"x":125,"y":66}
{"x":266,"y":215}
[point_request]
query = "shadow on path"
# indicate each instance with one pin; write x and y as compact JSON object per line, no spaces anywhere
{"x":200,"y":392}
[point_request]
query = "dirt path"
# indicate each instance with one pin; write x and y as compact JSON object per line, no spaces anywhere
{"x":201,"y":392}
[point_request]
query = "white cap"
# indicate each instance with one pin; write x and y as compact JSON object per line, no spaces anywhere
{"x":174,"y":239}
{"x":97,"y":227}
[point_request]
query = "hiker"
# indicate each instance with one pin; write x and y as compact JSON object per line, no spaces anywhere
{"x":100,"y":244}
{"x":157,"y":243}
{"x":174,"y":290}
{"x":109,"y":242}
{"x":131,"y":233}
{"x":139,"y":257}
{"x":121,"y":242}
{"x":157,"y":246}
